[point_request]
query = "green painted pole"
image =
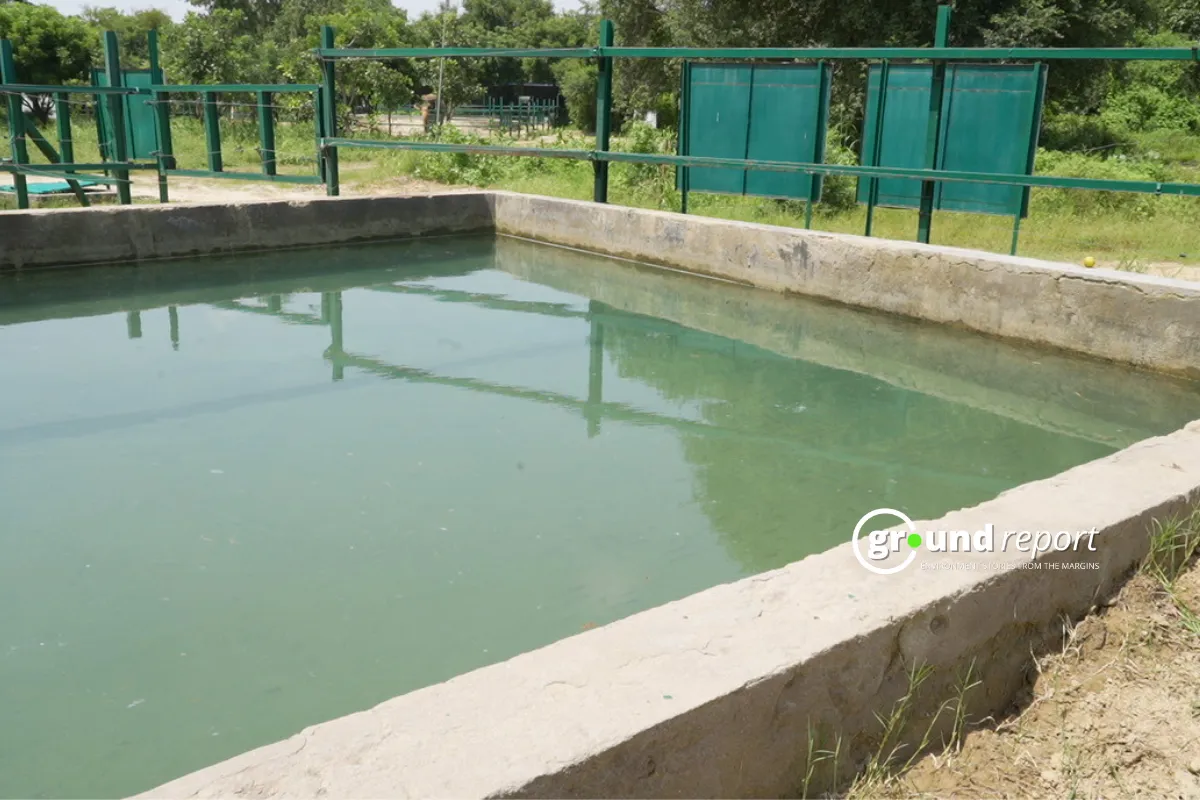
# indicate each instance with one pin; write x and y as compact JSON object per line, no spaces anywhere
{"x":212,"y":132}
{"x":116,"y":113}
{"x":266,"y":132}
{"x":162,"y":118}
{"x":173,"y":322}
{"x":62,"y":122}
{"x":1016,"y":235}
{"x":603,"y":113}
{"x":929,"y":188}
{"x":16,"y":122}
{"x":165,"y":159}
{"x":329,"y":110}
{"x":156,"y":73}
{"x":681,"y":146}
{"x":877,"y":148}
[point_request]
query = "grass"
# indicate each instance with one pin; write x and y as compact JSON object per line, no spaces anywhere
{"x":1126,"y":231}
{"x":1174,"y":544}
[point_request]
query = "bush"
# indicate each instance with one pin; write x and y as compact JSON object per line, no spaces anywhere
{"x":1091,"y":203}
{"x":1079,"y":132}
{"x":839,"y":192}
{"x":577,"y":82}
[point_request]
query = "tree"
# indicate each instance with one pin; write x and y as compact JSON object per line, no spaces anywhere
{"x":371,"y":85}
{"x":48,"y":49}
{"x":131,"y":30}
{"x":210,"y":48}
{"x":257,"y":16}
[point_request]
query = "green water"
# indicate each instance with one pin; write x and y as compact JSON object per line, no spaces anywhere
{"x":241,"y":496}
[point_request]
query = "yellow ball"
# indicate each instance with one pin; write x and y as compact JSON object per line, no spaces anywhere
{"x":1089,"y":262}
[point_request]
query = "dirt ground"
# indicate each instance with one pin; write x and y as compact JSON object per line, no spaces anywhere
{"x":1116,"y":714}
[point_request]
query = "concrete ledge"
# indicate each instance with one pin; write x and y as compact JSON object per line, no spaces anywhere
{"x":64,"y":237}
{"x":1102,"y":313}
{"x":715,"y":695}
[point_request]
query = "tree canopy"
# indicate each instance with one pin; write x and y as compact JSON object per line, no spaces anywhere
{"x":234,"y":41}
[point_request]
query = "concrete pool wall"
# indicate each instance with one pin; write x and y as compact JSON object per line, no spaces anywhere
{"x":721,"y":693}
{"x":1101,"y":313}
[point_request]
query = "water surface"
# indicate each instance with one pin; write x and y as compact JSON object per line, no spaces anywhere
{"x":244,"y":495}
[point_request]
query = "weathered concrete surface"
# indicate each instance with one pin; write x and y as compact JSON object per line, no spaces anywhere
{"x":1078,"y":396}
{"x":61,"y":237}
{"x":715,"y":695}
{"x":1139,"y":319}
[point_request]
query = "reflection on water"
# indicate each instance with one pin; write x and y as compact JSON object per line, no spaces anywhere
{"x":298,"y":484}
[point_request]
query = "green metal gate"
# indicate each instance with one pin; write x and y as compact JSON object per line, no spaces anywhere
{"x":140,"y":130}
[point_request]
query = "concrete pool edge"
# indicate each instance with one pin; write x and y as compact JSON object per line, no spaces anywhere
{"x":1095,"y":312}
{"x":717,"y":694}
{"x":107,"y":234}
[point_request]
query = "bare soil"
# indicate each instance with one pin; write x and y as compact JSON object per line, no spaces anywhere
{"x":1116,"y":714}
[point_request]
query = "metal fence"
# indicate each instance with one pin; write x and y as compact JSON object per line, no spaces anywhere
{"x":939,"y":156}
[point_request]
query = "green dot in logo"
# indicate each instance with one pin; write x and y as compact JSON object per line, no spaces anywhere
{"x":914,"y":540}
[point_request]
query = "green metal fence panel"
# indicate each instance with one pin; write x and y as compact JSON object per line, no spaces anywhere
{"x":994,"y":113}
{"x":788,"y":108}
{"x":141,"y":127}
{"x":990,"y":118}
{"x":902,"y":133}
{"x":765,"y":112}
{"x":718,"y":123}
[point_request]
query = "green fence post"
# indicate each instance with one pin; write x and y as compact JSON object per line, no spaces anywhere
{"x":929,"y":188}
{"x":162,"y":119}
{"x":66,"y":145}
{"x":681,"y":144}
{"x":116,"y":112}
{"x":877,"y":148}
{"x":603,"y":112}
{"x":212,"y":132}
{"x":62,"y":121}
{"x":329,"y":109}
{"x":266,"y":132}
{"x":16,"y":123}
{"x":156,"y":73}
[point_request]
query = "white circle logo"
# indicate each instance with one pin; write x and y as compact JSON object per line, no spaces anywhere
{"x":881,"y":512}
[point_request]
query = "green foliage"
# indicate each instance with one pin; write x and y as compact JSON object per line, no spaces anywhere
{"x":838,"y":192}
{"x":1081,"y":204}
{"x":577,"y":82}
{"x":131,"y":30}
{"x":1079,"y":133}
{"x":1154,"y":95}
{"x":48,"y":49}
{"x":210,"y":48}
{"x":655,"y":181}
